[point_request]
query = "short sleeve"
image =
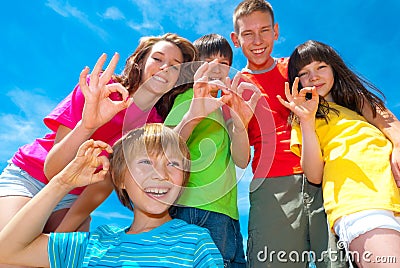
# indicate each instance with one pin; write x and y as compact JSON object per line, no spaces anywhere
{"x":67,"y":249}
{"x":295,"y":139}
{"x":207,"y":254}
{"x":68,"y":112}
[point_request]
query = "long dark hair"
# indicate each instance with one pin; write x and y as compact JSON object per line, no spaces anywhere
{"x":349,"y":89}
{"x":134,"y":66}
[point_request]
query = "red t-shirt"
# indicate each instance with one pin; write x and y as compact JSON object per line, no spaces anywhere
{"x":268,"y":130}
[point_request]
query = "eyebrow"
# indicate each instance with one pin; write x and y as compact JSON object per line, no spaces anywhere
{"x":162,"y":53}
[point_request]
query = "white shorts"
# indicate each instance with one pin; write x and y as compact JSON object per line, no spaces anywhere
{"x":351,"y":226}
{"x":15,"y":181}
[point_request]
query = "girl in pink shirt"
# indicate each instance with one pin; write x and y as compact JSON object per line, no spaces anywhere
{"x":103,"y":107}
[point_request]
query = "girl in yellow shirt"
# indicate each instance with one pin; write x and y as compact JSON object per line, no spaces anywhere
{"x":341,"y":150}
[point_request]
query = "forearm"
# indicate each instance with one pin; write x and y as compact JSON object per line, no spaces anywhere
{"x":240,"y":145}
{"x":87,"y":202}
{"x":65,"y":148}
{"x":187,"y":124}
{"x":311,"y":156}
{"x":21,"y":241}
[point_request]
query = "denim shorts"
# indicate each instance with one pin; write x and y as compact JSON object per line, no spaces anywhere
{"x":14,"y":181}
{"x":224,"y":231}
{"x":351,"y":226}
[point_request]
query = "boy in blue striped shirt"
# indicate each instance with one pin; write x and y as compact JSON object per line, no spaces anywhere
{"x":148,"y":168}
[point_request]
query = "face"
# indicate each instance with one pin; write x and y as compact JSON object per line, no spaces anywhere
{"x":256,"y":36}
{"x":320,"y":75}
{"x":154,"y":182}
{"x":220,"y":71}
{"x":162,"y":67}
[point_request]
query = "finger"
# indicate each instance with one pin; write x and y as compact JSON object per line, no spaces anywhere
{"x":235,"y":81}
{"x":201,"y":71}
{"x":84,"y":147}
{"x":103,"y":145}
{"x":315,"y":94}
{"x":109,"y":71}
{"x":283,"y":102}
{"x":104,"y":162}
{"x":295,"y":89}
{"x":288,"y":95}
{"x":83,"y":80}
{"x":117,"y":87}
{"x":98,"y":67}
{"x":217,"y":83}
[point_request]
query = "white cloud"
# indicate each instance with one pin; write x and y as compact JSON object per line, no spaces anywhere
{"x":66,"y":10}
{"x":113,"y":13}
{"x":26,"y":123}
{"x":202,"y":17}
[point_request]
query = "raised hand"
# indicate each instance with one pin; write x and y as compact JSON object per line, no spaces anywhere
{"x":203,"y":102}
{"x":241,"y":110}
{"x":305,"y":109}
{"x":82,"y":170}
{"x":99,"y":108}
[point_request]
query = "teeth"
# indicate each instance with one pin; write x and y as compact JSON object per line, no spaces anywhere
{"x":258,"y":51}
{"x":156,"y":191}
{"x":159,"y":79}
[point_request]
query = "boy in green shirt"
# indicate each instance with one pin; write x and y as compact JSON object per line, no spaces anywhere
{"x":210,"y":200}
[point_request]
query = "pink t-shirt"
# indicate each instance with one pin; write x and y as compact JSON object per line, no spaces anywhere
{"x":31,"y":157}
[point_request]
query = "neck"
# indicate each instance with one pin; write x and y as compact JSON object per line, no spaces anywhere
{"x":144,"y":222}
{"x":145,"y":100}
{"x":268,"y":65}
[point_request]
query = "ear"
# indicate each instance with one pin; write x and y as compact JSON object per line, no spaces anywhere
{"x":235,"y":39}
{"x":276,"y":31}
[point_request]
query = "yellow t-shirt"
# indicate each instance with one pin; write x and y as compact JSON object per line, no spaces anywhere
{"x":357,"y":173}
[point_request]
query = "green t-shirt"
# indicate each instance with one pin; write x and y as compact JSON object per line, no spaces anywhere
{"x":212,"y":182}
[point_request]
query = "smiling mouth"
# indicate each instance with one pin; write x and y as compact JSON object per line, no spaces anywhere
{"x":156,"y":192}
{"x":160,"y":79}
{"x":258,"y":51}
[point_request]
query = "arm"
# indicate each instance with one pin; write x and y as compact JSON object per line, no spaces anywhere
{"x":202,"y":103}
{"x":87,"y":202}
{"x":241,"y":112}
{"x":98,"y":110}
{"x":22,"y":241}
{"x":387,"y":122}
{"x":311,"y":155}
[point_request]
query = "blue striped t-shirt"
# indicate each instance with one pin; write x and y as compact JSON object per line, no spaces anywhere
{"x":173,"y":244}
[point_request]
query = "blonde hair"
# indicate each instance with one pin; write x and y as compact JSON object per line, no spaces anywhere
{"x":245,"y":8}
{"x":153,"y":138}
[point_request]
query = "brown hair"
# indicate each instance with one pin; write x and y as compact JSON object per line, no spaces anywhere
{"x":247,"y":7}
{"x":214,"y":44}
{"x":134,"y":66}
{"x":153,"y":138}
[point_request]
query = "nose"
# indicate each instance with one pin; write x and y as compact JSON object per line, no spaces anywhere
{"x":313,"y":76}
{"x":257,"y":39}
{"x":160,"y":171}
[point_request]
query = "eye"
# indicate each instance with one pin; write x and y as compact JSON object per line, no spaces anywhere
{"x":174,"y":164}
{"x":156,"y":58}
{"x":176,"y":67}
{"x":300,"y":74}
{"x":144,"y":161}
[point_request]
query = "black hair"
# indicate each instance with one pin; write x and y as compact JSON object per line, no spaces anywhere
{"x":349,"y":89}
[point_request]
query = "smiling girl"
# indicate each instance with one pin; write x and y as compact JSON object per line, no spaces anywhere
{"x":341,"y":150}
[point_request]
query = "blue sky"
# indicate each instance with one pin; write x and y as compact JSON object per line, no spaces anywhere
{"x":45,"y":44}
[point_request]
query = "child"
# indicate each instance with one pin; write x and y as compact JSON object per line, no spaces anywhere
{"x":339,"y":148}
{"x":150,"y":72}
{"x":148,"y":167}
{"x":286,"y":212}
{"x":210,"y":201}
